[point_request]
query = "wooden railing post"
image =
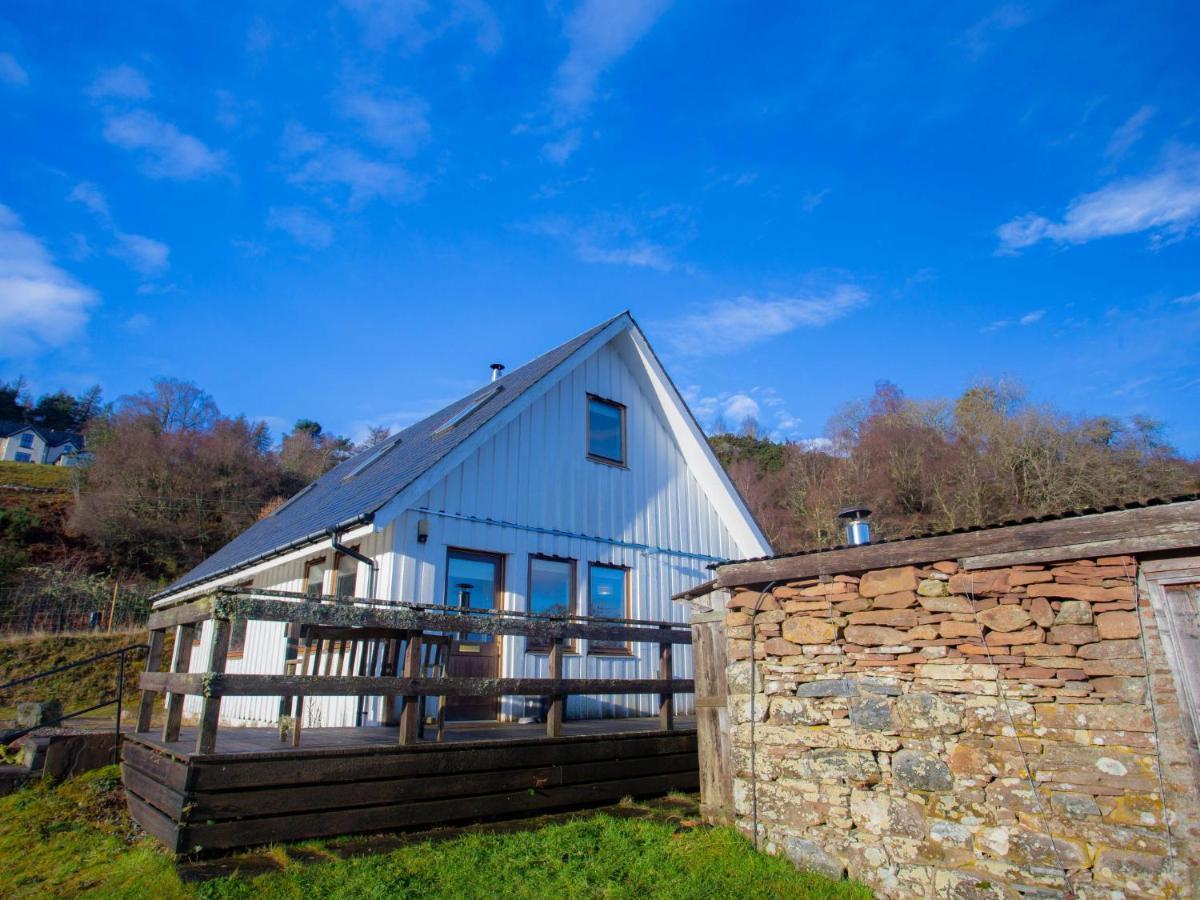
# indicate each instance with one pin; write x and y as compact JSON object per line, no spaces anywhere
{"x":181,"y":661}
{"x":210,"y":707}
{"x":666,"y":702}
{"x":391,"y":666}
{"x":154,"y":652}
{"x":554,"y":712}
{"x":411,"y":710}
{"x":290,"y":650}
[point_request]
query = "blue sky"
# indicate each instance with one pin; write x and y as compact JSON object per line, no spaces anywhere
{"x":346,"y":210}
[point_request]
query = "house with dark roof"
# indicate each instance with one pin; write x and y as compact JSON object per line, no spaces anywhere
{"x":23,"y":442}
{"x":577,"y":484}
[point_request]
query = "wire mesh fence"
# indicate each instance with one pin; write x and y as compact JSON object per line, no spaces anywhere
{"x":51,"y":601}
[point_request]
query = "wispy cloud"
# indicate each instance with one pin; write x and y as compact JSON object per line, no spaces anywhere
{"x":611,"y":239}
{"x":1165,"y":203}
{"x":167,"y":151}
{"x":414,"y":23}
{"x":12,"y":72}
{"x":979,"y":38}
{"x":303,"y":225}
{"x":145,"y":255}
{"x":729,"y":326}
{"x":398,"y":121}
{"x":731,"y":410}
{"x":321,"y":164}
{"x":1129,"y":133}
{"x":1030,"y":318}
{"x":40,"y":304}
{"x":91,"y":196}
{"x":138,"y":323}
{"x":121,"y":83}
{"x":598,"y":33}
{"x":1187,"y":299}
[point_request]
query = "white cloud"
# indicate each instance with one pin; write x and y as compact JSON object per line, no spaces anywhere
{"x":145,"y":255}
{"x":607,"y":239}
{"x":978,"y":39}
{"x":1187,"y":299}
{"x":1029,"y":318}
{"x":729,"y":326}
{"x":414,"y":25}
{"x":399,"y":122}
{"x":11,"y":71}
{"x":731,"y":410}
{"x":91,"y":196}
{"x":1165,"y":202}
{"x":364,"y":179}
{"x":138,"y":323}
{"x":559,"y":151}
{"x":120,"y":83}
{"x":169,"y":152}
{"x":1129,"y":133}
{"x":303,"y":225}
{"x":40,"y":304}
{"x":598,"y":33}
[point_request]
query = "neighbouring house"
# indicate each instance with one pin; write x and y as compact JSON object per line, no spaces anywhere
{"x":22,"y":442}
{"x":579,"y":483}
{"x":1010,"y":711}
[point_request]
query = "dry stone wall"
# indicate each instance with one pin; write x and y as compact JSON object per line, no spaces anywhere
{"x":936,"y":732}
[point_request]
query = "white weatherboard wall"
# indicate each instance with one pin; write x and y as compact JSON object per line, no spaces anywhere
{"x":534,"y":474}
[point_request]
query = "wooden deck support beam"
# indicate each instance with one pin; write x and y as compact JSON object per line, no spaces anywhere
{"x":181,"y":661}
{"x":410,"y":712}
{"x":666,"y":700}
{"x":154,"y":653}
{"x":554,"y":712}
{"x":210,"y":705}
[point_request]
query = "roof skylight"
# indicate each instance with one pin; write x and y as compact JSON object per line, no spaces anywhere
{"x":467,"y":410}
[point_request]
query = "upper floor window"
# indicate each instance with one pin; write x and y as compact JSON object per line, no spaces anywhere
{"x":314,"y":576}
{"x":27,"y":440}
{"x":345,"y":579}
{"x":605,"y":430}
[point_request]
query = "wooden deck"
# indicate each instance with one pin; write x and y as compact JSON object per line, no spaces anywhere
{"x":255,"y":789}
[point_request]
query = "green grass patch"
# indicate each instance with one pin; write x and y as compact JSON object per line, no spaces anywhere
{"x":30,"y":475}
{"x":76,"y":838}
{"x":76,"y":688}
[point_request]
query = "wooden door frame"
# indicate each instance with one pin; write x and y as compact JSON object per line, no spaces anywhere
{"x":498,"y":600}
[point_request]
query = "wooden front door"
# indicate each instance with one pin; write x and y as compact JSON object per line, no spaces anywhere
{"x":473,"y":581}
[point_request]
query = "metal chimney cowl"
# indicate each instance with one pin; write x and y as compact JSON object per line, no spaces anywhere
{"x":858,"y":529}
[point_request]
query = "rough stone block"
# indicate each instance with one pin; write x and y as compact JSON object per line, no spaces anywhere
{"x":1087,"y":592}
{"x":1005,"y":618}
{"x":916,"y":771}
{"x":807,"y":855}
{"x":874,"y":635}
{"x":898,"y":600}
{"x":808,"y":630}
{"x":897,"y":618}
{"x":874,"y":714}
{"x":1074,"y":634}
{"x":989,"y":581}
{"x":1116,"y":625}
{"x":932,"y":587}
{"x":1127,"y":649}
{"x":922,"y":713}
{"x":1132,"y":871}
{"x":888,"y":581}
{"x":947,"y":604}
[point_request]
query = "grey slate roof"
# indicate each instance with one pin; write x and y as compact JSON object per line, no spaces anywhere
{"x":339,"y":498}
{"x":9,"y":427}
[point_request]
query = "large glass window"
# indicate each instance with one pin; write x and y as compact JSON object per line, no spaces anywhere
{"x":607,"y":598}
{"x":551,"y":591}
{"x":606,"y":430}
{"x":314,"y":577}
{"x":473,"y":582}
{"x":345,"y":581}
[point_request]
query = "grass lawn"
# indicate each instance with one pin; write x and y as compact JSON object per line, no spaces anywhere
{"x":30,"y":475}
{"x":77,"y":838}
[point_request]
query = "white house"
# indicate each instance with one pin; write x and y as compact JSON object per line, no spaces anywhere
{"x":22,"y":442}
{"x":578,"y":482}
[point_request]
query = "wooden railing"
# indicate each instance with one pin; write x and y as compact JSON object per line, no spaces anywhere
{"x":389,"y":640}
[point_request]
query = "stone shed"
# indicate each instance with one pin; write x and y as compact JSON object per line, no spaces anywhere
{"x":998,"y":712}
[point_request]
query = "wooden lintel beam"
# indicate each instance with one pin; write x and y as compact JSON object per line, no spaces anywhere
{"x":233,"y":685}
{"x":183,"y":614}
{"x":1166,"y":527}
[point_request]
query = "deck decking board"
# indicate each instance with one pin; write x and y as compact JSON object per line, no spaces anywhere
{"x":254,"y":789}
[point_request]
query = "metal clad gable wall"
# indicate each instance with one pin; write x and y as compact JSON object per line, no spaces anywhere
{"x":536,"y":472}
